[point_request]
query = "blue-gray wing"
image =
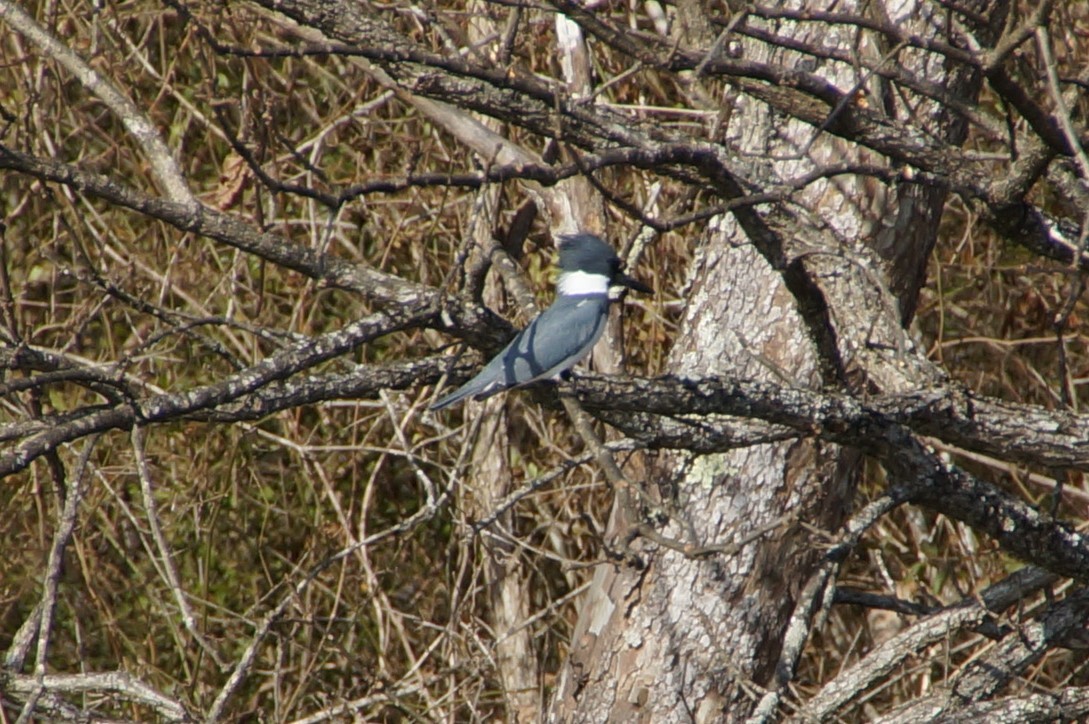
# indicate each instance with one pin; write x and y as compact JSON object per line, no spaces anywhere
{"x":553,"y":342}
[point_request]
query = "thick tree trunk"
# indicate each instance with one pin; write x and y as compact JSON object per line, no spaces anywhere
{"x":686,"y":639}
{"x":679,"y":637}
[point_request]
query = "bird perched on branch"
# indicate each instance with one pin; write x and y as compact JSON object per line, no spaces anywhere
{"x":564,"y":333}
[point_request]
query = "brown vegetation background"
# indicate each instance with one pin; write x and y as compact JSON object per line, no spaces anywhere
{"x":331,"y":547}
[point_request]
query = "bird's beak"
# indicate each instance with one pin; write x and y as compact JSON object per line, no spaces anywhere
{"x":631,"y":283}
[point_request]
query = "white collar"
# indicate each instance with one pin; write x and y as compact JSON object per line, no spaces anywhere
{"x":580,"y":284}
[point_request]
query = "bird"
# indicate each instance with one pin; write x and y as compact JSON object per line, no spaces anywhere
{"x":562,"y":335}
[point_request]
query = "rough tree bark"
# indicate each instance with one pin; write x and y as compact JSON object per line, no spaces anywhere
{"x":691,"y":638}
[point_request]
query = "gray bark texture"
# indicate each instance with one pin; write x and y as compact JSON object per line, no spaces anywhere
{"x":693,"y":639}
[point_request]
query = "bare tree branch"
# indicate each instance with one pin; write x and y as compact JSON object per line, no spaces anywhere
{"x":116,"y":683}
{"x":1017,"y":433}
{"x":163,"y":407}
{"x":142,"y":130}
{"x":881,"y":661}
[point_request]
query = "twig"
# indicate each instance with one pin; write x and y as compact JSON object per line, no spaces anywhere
{"x":807,"y":613}
{"x":143,"y":132}
{"x":24,"y":637}
{"x":168,"y":570}
{"x":1043,"y":42}
{"x":398,"y":430}
{"x":339,"y":711}
{"x":245,"y":662}
{"x":970,"y":612}
{"x":532,"y":486}
{"x":65,"y":526}
{"x":114,"y":682}
{"x":163,"y":407}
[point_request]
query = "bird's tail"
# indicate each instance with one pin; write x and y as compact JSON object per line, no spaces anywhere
{"x":472,"y":387}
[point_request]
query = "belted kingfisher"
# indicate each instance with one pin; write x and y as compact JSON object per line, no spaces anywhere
{"x":563,"y":334}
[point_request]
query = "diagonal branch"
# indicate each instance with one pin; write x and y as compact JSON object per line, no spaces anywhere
{"x":971,"y":612}
{"x":464,"y":320}
{"x":117,"y":683}
{"x":163,"y":167}
{"x":173,"y":406}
